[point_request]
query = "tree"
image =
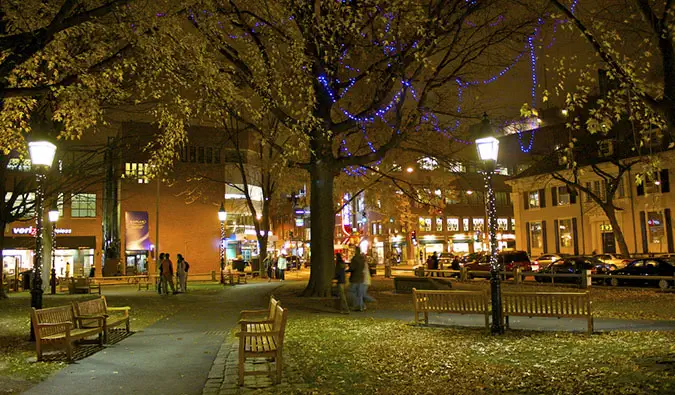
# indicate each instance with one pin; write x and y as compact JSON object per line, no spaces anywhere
{"x":331,"y":72}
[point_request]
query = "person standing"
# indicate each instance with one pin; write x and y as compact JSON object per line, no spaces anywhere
{"x":167,"y":274}
{"x":269,"y":266}
{"x":340,"y":276}
{"x":159,"y":278}
{"x":181,"y":273}
{"x":365,"y":284}
{"x":281,"y":265}
{"x":356,"y":267}
{"x":435,"y":262}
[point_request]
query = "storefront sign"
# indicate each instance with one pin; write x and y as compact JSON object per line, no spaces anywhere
{"x":606,"y":227}
{"x":32,"y":230}
{"x":137,"y":235}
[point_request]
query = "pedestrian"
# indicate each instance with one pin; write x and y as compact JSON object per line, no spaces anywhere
{"x":430,"y":265}
{"x":356,"y":267}
{"x":269,"y":266}
{"x":340,"y":276}
{"x":365,"y":284}
{"x":435,"y":262}
{"x":167,"y":274}
{"x":181,"y":273}
{"x":387,"y":266}
{"x":281,"y":265}
{"x":159,"y":278}
{"x":92,"y":271}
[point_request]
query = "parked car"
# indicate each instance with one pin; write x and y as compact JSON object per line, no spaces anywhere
{"x":445,"y":260}
{"x":615,"y":260}
{"x":294,"y":262}
{"x":546,"y":260}
{"x":509,"y":261}
{"x":641,"y":270}
{"x":471,"y":257}
{"x":572,"y":265}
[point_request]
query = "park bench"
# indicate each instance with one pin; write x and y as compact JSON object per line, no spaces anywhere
{"x":453,"y":302}
{"x":548,"y":304}
{"x":56,"y":326}
{"x":259,"y":320}
{"x":267,"y":344}
{"x":82,"y":285}
{"x":90,"y":311}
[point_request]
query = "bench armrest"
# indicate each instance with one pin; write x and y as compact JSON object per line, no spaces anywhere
{"x":121,"y":308}
{"x":256,"y":334}
{"x":252,"y":312}
{"x":256,"y":321}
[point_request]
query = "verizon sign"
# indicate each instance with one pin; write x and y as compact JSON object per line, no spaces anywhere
{"x":32,"y":230}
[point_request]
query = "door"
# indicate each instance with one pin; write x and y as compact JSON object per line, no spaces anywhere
{"x":608,"y":243}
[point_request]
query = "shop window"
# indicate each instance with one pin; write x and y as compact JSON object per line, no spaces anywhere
{"x":452,"y":224}
{"x":439,"y":224}
{"x":425,"y":224}
{"x":533,"y":199}
{"x":656,"y":228}
{"x":536,"y":235}
{"x":565,"y":232}
{"x":478,"y":224}
{"x":83,"y":205}
{"x":502,"y":224}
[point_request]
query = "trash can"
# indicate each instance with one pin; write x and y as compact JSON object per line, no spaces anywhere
{"x":25,"y":279}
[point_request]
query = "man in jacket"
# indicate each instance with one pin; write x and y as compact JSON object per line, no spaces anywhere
{"x":356,"y":267}
{"x":167,"y":274}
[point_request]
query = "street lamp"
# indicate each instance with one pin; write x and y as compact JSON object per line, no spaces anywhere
{"x":41,"y":155}
{"x":53,"y":217}
{"x":222,"y":217}
{"x":488,"y":150}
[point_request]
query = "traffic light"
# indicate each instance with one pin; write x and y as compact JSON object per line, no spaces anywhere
{"x":413,"y":237}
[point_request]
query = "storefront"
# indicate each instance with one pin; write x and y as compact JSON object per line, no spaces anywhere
{"x":461,"y":243}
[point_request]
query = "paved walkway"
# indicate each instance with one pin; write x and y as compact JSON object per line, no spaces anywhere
{"x":172,"y":356}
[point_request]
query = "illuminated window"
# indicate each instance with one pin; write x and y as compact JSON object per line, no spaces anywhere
{"x":139,"y":171}
{"x":425,"y":224}
{"x":565,"y":232}
{"x":465,"y":224}
{"x":428,"y":163}
{"x":502,"y":224}
{"x":533,"y":199}
{"x":478,"y":224}
{"x":501,"y":199}
{"x":24,"y":205}
{"x":19,"y":164}
{"x":536,"y":235}
{"x":452,"y":224}
{"x":439,"y":224}
{"x":656,"y":228}
{"x":563,"y":196}
{"x":83,"y":205}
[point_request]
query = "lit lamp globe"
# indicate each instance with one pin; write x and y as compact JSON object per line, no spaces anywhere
{"x":53,"y":214}
{"x":41,"y":153}
{"x":222,"y":214}
{"x":488,"y":148}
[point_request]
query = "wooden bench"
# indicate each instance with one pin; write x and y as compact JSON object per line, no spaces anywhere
{"x":548,"y":304}
{"x":57,"y":326}
{"x":264,"y":344}
{"x":81,"y":285}
{"x":454,"y":302}
{"x":90,"y":311}
{"x":259,"y":320}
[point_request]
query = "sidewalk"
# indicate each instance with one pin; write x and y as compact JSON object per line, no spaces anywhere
{"x":172,"y":356}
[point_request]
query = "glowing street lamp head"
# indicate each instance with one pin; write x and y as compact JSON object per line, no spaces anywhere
{"x":488,"y":148}
{"x":41,"y":153}
{"x":54,"y":213}
{"x":409,"y":169}
{"x":222,"y":214}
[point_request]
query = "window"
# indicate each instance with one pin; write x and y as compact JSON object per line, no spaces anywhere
{"x":513,"y":224}
{"x":374,"y":228}
{"x":200,"y":154}
{"x":379,"y":228}
{"x":19,"y":164}
{"x":193,"y":153}
{"x":588,"y":195}
{"x":502,"y":224}
{"x":138,"y":171}
{"x":501,"y":199}
{"x":599,"y":189}
{"x":536,"y":236}
{"x":452,"y":224}
{"x":83,"y":205}
{"x":478,"y":224}
{"x":425,"y":224}
{"x":656,"y":228}
{"x":452,"y":197}
{"x":24,"y":205}
{"x":533,"y":199}
{"x":439,"y":224}
{"x":209,"y":154}
{"x":184,"y":153}
{"x":465,"y":224}
{"x":457,"y":168}
{"x":428,"y":163}
{"x":216,"y":155}
{"x":565,"y":232}
{"x":502,"y":170}
{"x":621,"y":189}
{"x":563,"y":196}
{"x":59,"y":204}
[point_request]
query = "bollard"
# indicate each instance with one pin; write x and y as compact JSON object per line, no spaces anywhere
{"x":518,"y":275}
{"x":586,"y":279}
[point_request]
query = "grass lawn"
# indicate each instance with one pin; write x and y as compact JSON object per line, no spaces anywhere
{"x":18,"y":369}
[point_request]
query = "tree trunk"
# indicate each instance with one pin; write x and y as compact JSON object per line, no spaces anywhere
{"x":262,"y":241}
{"x":2,"y":268}
{"x":322,"y":226}
{"x":618,"y":233}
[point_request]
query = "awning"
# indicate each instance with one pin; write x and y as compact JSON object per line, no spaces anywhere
{"x":62,"y":242}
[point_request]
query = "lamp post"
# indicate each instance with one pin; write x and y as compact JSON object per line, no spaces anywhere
{"x":53,"y":217}
{"x":222,"y":217}
{"x":42,"y":155}
{"x":488,"y":150}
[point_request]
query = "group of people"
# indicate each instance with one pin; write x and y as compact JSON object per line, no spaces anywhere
{"x":167,"y":273}
{"x":275,"y":266}
{"x":359,"y":281}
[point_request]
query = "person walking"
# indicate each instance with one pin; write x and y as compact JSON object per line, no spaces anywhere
{"x":356,"y":267}
{"x":281,"y":265}
{"x":167,"y":274}
{"x":435,"y":262}
{"x":269,"y":266}
{"x":181,"y":273}
{"x":159,"y":269}
{"x":340,"y":276}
